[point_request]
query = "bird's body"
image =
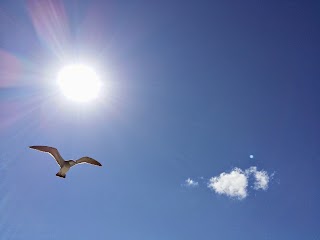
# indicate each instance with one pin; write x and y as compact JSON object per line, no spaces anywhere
{"x":64,"y":165}
{"x":65,"y":168}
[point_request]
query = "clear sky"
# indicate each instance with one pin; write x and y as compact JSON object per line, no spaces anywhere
{"x":203,"y":102}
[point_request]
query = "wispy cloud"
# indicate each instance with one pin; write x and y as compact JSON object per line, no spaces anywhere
{"x":191,"y":183}
{"x":261,"y":178}
{"x":233,"y":184}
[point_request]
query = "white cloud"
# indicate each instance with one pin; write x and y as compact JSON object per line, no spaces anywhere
{"x":261,"y":178}
{"x":191,"y":183}
{"x":233,"y":184}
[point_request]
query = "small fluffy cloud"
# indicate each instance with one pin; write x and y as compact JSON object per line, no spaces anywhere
{"x":191,"y":183}
{"x":261,"y":178}
{"x":233,"y":184}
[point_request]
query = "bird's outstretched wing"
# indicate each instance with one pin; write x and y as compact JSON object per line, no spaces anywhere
{"x":52,"y":151}
{"x":88,"y":160}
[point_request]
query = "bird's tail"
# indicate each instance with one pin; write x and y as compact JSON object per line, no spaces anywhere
{"x":59,"y":174}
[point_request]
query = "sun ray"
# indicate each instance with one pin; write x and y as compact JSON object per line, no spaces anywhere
{"x":50,"y":21}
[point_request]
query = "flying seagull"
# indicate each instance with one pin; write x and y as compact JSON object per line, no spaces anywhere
{"x":64,"y":165}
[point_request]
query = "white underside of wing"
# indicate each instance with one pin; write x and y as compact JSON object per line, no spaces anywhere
{"x":52,"y":151}
{"x":88,"y":160}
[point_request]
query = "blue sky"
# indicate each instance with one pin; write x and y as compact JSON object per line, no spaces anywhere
{"x":193,"y":90}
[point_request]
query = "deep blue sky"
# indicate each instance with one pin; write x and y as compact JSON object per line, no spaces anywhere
{"x":196,"y":88}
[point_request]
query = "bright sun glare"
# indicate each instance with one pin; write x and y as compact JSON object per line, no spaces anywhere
{"x":79,"y":82}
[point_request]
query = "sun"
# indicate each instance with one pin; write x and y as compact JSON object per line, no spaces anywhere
{"x":79,"y":82}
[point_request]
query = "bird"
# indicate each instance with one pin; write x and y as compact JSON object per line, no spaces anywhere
{"x":65,"y":165}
